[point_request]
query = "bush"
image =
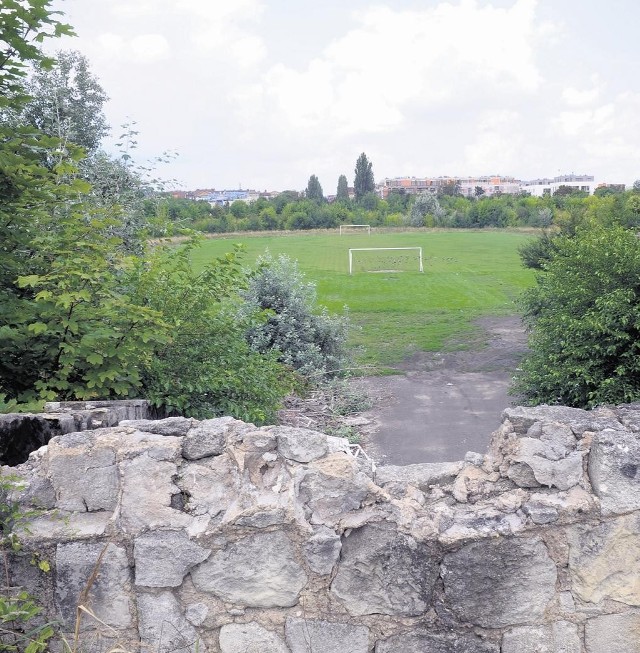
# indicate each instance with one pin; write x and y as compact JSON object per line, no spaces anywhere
{"x":304,"y":336}
{"x":584,"y":316}
{"x":207,"y":368}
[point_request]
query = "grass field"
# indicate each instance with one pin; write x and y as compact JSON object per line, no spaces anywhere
{"x":466,"y":274}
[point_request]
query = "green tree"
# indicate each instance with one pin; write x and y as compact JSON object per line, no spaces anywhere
{"x":584,"y":319}
{"x":342,"y":192}
{"x":450,"y":188}
{"x":28,"y":190}
{"x":67,"y":102}
{"x":424,"y":205}
{"x":314,"y":189}
{"x":363,"y":182}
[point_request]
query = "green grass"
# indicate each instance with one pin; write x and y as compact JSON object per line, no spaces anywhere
{"x":467,"y":274}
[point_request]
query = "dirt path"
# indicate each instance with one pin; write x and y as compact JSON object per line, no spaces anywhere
{"x":444,"y":405}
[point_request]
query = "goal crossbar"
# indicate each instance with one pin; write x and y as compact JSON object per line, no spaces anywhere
{"x":382,"y":249}
{"x":346,"y":226}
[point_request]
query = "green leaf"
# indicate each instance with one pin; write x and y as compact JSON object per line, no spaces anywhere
{"x":38,"y":328}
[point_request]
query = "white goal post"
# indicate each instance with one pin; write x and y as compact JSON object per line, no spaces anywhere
{"x":383,"y":249}
{"x":345,"y":227}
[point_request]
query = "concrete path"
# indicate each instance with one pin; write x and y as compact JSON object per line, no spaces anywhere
{"x":443,"y":406}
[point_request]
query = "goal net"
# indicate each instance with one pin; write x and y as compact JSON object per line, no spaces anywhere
{"x":355,"y":228}
{"x":385,"y":259}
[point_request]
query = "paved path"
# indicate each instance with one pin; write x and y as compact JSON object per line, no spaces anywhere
{"x":443,"y":406}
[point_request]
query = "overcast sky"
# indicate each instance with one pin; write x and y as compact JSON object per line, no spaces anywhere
{"x":264,"y":93}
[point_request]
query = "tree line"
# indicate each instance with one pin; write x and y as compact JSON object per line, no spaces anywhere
{"x":293,"y":210}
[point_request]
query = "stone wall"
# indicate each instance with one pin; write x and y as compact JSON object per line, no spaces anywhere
{"x":22,"y":433}
{"x":219,"y":536}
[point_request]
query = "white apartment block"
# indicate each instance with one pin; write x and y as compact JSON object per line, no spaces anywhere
{"x":542,"y":187}
{"x":491,"y":185}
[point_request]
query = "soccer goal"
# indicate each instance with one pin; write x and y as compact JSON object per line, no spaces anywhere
{"x":353,"y":228}
{"x":385,"y":259}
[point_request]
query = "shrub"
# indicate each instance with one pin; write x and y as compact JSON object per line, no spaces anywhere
{"x":206,"y":368}
{"x":304,"y":335}
{"x":584,"y":316}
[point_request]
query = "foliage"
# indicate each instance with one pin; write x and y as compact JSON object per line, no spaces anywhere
{"x":309,"y":340}
{"x":537,"y":252}
{"x":314,"y":189}
{"x":363,"y":182}
{"x":424,"y":210}
{"x":66,"y":101}
{"x":84,"y":334}
{"x":584,"y":316}
{"x":24,"y":25}
{"x":205,"y":367}
{"x":342,"y":192}
{"x":450,"y":188}
{"x":29,"y":192}
{"x":20,"y":630}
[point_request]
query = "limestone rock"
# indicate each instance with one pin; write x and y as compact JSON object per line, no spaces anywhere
{"x":331,"y":487}
{"x":384,"y":571}
{"x":523,"y":417}
{"x":498,"y":583}
{"x":614,"y":470}
{"x":206,"y":438}
{"x":83,"y":472}
{"x":109,"y":596}
{"x":613,"y":632}
{"x":250,"y":638}
{"x":176,"y":426}
{"x":549,"y":462}
{"x":163,"y":627}
{"x":540,"y":513}
{"x":322,"y":550}
{"x":421,"y":475}
{"x":257,"y":571}
{"x":559,"y":637}
{"x":429,"y":642}
{"x":147,"y":488}
{"x":604,"y":560}
{"x":212,"y":484}
{"x":309,"y":636}
{"x":163,"y":558}
{"x":301,"y":445}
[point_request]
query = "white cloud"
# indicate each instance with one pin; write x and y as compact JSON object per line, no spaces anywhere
{"x":150,"y":47}
{"x":366,"y":80}
{"x":498,"y":140}
{"x":575,"y":97}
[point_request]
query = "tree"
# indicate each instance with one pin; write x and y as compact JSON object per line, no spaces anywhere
{"x":363,"y":182}
{"x":450,"y":188}
{"x":584,"y":319}
{"x":67,"y":102}
{"x":478,"y":191}
{"x":342,"y":193}
{"x":425,"y":204}
{"x":314,"y":189}
{"x":636,"y":186}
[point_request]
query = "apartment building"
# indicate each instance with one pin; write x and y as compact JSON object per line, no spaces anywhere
{"x":542,"y":187}
{"x":467,"y":186}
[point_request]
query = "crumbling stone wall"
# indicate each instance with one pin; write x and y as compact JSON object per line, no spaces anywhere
{"x":22,"y":433}
{"x":222,"y":537}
